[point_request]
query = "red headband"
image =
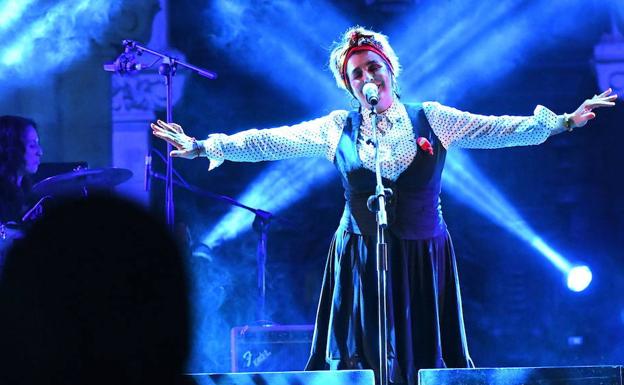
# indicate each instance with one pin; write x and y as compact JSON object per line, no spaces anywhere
{"x":358,"y":48}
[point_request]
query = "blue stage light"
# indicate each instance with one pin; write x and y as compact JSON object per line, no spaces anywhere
{"x":252,"y":31}
{"x":579,"y":278}
{"x":12,"y":55}
{"x":283,"y":41}
{"x":438,"y":58}
{"x":278,"y":187}
{"x":554,"y":257}
{"x":469,"y":185}
{"x":472,"y":45}
{"x":437,"y":36}
{"x":53,"y":35}
{"x":11,"y":11}
{"x":449,"y":48}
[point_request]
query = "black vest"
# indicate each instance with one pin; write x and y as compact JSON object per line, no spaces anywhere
{"x":414,"y":211}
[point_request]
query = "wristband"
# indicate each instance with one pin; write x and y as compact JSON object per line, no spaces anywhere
{"x":197,"y":148}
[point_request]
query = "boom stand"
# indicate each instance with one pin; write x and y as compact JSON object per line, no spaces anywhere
{"x":377,"y":203}
{"x":260,"y":225}
{"x":168,"y":69}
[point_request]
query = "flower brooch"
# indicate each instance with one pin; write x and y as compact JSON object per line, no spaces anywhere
{"x":424,"y":145}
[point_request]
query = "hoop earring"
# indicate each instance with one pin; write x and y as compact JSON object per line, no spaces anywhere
{"x":355,"y":103}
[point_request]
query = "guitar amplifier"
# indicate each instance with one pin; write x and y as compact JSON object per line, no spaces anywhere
{"x":270,"y":348}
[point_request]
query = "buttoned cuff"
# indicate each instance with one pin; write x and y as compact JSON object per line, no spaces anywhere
{"x":213,"y":150}
{"x":546,"y":118}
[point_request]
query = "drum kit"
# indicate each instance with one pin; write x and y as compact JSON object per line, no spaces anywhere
{"x":78,"y":183}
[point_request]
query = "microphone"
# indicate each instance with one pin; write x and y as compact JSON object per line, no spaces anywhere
{"x":124,"y":63}
{"x":147,"y":182}
{"x":371,"y":93}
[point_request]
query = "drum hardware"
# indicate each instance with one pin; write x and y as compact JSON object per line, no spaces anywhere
{"x":36,"y":211}
{"x":81,"y":181}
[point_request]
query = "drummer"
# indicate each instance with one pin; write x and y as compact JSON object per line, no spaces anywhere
{"x":20,"y":156}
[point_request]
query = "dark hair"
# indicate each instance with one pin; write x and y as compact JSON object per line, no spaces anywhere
{"x":12,"y":147}
{"x":12,"y":150}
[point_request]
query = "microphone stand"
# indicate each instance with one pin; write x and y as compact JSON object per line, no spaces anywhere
{"x":260,"y":225}
{"x":377,"y":203}
{"x":167,"y":69}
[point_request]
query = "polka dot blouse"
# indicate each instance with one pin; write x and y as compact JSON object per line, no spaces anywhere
{"x":319,"y":137}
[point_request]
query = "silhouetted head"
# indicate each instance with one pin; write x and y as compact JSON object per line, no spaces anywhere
{"x":95,"y":293}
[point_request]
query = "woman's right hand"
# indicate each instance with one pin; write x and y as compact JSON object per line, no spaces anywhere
{"x":186,"y":146}
{"x":585,"y":111}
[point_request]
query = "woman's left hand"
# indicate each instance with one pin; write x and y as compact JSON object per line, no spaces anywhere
{"x":584,"y":113}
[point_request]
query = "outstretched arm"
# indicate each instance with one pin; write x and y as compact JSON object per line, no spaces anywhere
{"x":315,"y":138}
{"x":457,"y":128}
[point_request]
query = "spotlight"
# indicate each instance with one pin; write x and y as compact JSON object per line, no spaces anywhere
{"x":579,"y":277}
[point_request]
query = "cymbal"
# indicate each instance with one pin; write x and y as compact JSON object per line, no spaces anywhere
{"x":94,"y":178}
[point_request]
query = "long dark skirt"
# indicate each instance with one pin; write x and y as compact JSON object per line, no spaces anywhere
{"x":425,"y":322}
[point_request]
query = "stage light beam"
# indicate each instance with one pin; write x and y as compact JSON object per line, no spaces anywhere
{"x":308,"y":24}
{"x":12,"y":11}
{"x":474,"y":45}
{"x":46,"y":42}
{"x":284,"y":42}
{"x":477,"y":44}
{"x":488,"y":33}
{"x":275,"y":189}
{"x":469,"y":185}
